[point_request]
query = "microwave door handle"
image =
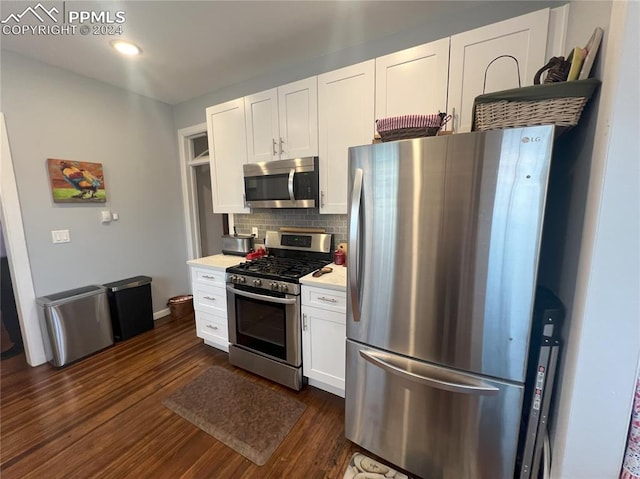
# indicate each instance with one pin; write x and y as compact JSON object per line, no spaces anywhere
{"x":448,"y":381}
{"x":260,"y":297}
{"x":291,"y":175}
{"x":354,"y":241}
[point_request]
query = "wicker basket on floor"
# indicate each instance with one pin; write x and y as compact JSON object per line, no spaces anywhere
{"x":560,"y":104}
{"x":181,"y":306}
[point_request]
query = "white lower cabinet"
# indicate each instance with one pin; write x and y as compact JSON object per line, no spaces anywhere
{"x":213,"y":329}
{"x":210,"y":305}
{"x":323,"y":338}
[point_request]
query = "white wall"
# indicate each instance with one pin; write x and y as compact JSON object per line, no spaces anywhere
{"x":51,"y":113}
{"x":604,"y":338}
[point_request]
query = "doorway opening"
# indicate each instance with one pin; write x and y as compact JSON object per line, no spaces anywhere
{"x":204,"y":227}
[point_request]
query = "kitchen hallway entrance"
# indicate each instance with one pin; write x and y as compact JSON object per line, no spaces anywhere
{"x":204,"y":228}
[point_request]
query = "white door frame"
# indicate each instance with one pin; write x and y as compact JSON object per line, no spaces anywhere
{"x":189,"y":200}
{"x":18,"y":255}
{"x":188,"y":179}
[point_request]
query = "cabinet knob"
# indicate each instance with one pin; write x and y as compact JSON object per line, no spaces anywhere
{"x":281,"y":146}
{"x":215,"y":328}
{"x":210,"y":298}
{"x":208,"y":277}
{"x":304,"y":322}
{"x":275,"y":152}
{"x":321,"y":199}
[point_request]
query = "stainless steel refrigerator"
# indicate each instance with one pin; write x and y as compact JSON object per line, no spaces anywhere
{"x":444,"y":239}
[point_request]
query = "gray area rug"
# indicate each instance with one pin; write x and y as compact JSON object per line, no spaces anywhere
{"x":246,"y":416}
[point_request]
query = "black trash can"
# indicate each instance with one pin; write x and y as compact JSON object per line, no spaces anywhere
{"x":131,"y":307}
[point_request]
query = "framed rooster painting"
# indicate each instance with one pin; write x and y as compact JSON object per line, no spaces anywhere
{"x":76,"y":181}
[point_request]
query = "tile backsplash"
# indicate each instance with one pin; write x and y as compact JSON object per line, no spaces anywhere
{"x":274,"y":219}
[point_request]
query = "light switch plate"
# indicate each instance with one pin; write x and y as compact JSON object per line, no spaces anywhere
{"x":254,"y":232}
{"x":60,"y":236}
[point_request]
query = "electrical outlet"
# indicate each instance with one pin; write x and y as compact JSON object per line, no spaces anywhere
{"x":254,"y":232}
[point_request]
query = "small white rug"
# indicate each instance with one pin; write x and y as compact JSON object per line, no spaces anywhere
{"x":359,"y":463}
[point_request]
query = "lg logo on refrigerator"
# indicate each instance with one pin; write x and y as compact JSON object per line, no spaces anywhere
{"x":531,"y":139}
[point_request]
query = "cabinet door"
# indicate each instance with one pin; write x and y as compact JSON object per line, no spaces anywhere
{"x":413,"y":81}
{"x":323,"y":348}
{"x":263,"y":135}
{"x":345,"y":118}
{"x":298,"y":114}
{"x":523,"y":37}
{"x":227,"y":154}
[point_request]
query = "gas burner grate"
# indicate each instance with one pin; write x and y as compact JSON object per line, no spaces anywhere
{"x":273,"y":266}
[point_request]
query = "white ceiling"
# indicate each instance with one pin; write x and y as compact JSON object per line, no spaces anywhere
{"x":194,"y":47}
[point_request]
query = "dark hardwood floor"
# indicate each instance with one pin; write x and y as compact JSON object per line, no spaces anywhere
{"x":103,"y":417}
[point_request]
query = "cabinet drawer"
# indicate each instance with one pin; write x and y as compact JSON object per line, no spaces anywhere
{"x":212,"y":328}
{"x":329,"y":299}
{"x":208,"y":276}
{"x":209,"y":299}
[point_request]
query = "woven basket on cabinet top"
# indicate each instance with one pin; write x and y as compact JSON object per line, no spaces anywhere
{"x":560,"y":104}
{"x":409,"y":126}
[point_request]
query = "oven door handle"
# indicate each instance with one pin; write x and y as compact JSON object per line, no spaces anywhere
{"x":261,"y":297}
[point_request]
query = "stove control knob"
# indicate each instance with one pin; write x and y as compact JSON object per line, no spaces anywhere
{"x":283,"y":288}
{"x":257,"y":282}
{"x":233,"y":278}
{"x":241,"y":279}
{"x":274,"y":286}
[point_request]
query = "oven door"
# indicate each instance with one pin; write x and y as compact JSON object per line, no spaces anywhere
{"x":265,"y":322}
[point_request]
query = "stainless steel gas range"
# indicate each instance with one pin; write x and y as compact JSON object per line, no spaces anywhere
{"x":263,"y":301}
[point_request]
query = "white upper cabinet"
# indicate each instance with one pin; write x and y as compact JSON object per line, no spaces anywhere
{"x":263,"y":133}
{"x":227,"y":154}
{"x":523,"y":37}
{"x":282,"y":123}
{"x":413,"y":81}
{"x":298,"y":115}
{"x":346,"y":118}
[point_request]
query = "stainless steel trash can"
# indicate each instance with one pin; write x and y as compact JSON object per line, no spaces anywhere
{"x":75,"y":323}
{"x":131,"y":306}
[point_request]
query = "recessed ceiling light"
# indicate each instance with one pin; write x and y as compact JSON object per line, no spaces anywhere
{"x":126,"y":48}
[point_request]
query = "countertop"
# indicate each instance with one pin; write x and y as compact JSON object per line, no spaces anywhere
{"x":220,"y":261}
{"x":337,"y":279}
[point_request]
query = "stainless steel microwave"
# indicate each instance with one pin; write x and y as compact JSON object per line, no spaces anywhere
{"x":282,"y":183}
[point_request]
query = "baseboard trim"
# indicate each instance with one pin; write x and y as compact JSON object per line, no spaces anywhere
{"x":161,"y":314}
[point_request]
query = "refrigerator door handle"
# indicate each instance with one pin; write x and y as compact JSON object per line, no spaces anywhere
{"x":448,"y":380}
{"x":354,"y":236}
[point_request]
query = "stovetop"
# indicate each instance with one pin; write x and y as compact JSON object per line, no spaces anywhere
{"x":292,"y":255}
{"x":278,"y":268}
